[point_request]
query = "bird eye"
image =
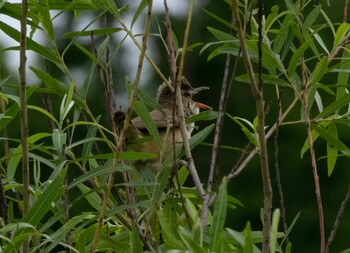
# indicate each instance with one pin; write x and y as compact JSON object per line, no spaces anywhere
{"x":187,"y":94}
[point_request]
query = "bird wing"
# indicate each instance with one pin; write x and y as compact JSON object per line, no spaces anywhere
{"x":160,"y":119}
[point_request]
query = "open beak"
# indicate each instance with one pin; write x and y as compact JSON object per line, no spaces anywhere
{"x":200,"y":105}
{"x":198,"y":89}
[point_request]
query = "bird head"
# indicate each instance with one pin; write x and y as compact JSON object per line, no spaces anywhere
{"x":165,"y":97}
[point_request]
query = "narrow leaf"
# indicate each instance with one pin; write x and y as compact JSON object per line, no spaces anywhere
{"x":219,"y":216}
{"x":297,"y":55}
{"x":332,"y":151}
{"x":143,"y":113}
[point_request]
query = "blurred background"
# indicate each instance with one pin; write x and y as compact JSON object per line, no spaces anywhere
{"x":296,"y":172}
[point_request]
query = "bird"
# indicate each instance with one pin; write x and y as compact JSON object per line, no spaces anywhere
{"x":137,"y":137}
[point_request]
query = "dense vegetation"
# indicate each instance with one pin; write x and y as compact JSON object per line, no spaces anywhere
{"x":266,"y":170}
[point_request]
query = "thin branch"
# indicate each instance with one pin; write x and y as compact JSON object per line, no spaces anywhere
{"x":258,"y":95}
{"x":312,"y":154}
{"x":180,"y":111}
{"x":277,"y":167}
{"x":23,"y":114}
{"x":6,"y":148}
{"x":120,"y":141}
{"x":225,"y":90}
{"x":345,"y":11}
{"x":170,"y":45}
{"x":238,"y":169}
{"x":337,"y":220}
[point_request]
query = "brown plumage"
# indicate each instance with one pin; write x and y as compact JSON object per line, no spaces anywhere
{"x":166,"y":122}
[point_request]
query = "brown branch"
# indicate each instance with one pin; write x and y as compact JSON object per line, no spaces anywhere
{"x":191,"y":166}
{"x":170,"y":45}
{"x":6,"y":148}
{"x":337,"y":220}
{"x":312,"y":154}
{"x":258,"y":95}
{"x":277,"y":167}
{"x":345,"y":11}
{"x":23,"y":114}
{"x":121,"y":138}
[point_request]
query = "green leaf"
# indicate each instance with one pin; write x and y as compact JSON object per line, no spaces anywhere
{"x":55,"y":84}
{"x":343,"y":76}
{"x":203,"y":116}
{"x":136,"y":245}
{"x":13,"y":110}
{"x":59,"y":140}
{"x":296,"y":57}
{"x":142,"y":5}
{"x":88,"y":54}
{"x":274,"y":230}
{"x":45,"y":18}
{"x":333,"y":107}
{"x":311,"y":18}
{"x":306,"y":145}
{"x":51,"y":193}
{"x":94,"y":32}
{"x":330,"y":138}
{"x":143,"y":113}
{"x":16,"y":154}
{"x":31,"y":45}
{"x":219,"y":217}
{"x":332,"y":151}
{"x":217,"y":18}
{"x":224,"y":36}
{"x":91,"y":196}
{"x":268,"y":79}
{"x":319,"y":71}
{"x":248,"y":240}
{"x":112,"y":8}
{"x":343,"y":30}
{"x":43,"y":111}
{"x":251,"y":135}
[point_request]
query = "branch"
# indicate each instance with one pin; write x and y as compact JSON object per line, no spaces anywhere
{"x":23,"y":114}
{"x":337,"y":220}
{"x":258,"y":95}
{"x":180,"y":111}
{"x":120,"y":141}
{"x":312,"y":153}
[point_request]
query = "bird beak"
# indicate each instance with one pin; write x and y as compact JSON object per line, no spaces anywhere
{"x":198,"y":89}
{"x":200,"y":105}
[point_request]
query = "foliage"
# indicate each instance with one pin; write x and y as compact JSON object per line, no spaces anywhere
{"x":86,"y":194}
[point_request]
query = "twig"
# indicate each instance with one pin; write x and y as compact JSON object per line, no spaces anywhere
{"x":120,"y":141}
{"x":277,"y":167}
{"x":172,"y":68}
{"x":345,"y":12}
{"x":23,"y":114}
{"x":170,"y":45}
{"x":6,"y":148}
{"x":312,"y":154}
{"x":108,"y":82}
{"x":258,"y":95}
{"x":238,"y":169}
{"x":225,"y":90}
{"x":337,"y":220}
{"x":180,"y":111}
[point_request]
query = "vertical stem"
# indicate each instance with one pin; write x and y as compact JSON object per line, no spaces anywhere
{"x":180,"y":110}
{"x":120,"y":141}
{"x":23,"y":114}
{"x":313,"y":156}
{"x":258,"y":95}
{"x":345,"y":11}
{"x":277,"y":167}
{"x":6,"y":148}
